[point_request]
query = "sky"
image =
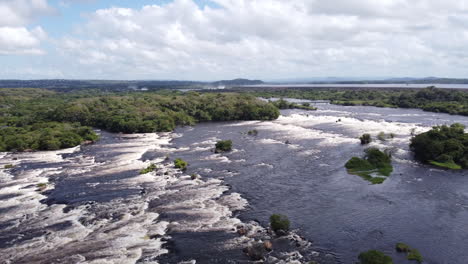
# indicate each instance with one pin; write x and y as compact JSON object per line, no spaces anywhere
{"x":226,"y":39}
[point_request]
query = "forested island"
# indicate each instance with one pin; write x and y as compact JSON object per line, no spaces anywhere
{"x":37,"y":119}
{"x":442,"y":146}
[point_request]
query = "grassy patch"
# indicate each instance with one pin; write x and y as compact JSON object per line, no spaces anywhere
{"x":446,"y":165}
{"x":149,"y":169}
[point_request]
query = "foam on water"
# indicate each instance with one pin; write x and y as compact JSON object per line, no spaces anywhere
{"x":123,"y":230}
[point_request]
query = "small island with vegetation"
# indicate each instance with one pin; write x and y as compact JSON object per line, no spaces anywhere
{"x":442,"y":146}
{"x":223,"y":146}
{"x":374,"y":167}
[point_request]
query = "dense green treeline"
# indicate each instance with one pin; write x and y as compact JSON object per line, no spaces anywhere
{"x":428,"y":99}
{"x":38,"y":119}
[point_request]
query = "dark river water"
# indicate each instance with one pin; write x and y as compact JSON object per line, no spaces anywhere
{"x":96,"y":208}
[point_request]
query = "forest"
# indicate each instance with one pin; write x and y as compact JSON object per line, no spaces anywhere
{"x":37,"y":119}
{"x":429,"y":99}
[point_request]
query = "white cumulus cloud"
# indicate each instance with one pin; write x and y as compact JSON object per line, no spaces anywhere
{"x":15,"y":16}
{"x":270,"y":39}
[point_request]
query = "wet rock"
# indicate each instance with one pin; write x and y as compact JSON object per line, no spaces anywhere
{"x":256,"y":251}
{"x":271,"y":260}
{"x":329,"y":257}
{"x":268,"y":245}
{"x":291,"y":256}
{"x":281,"y":232}
{"x":242,"y":231}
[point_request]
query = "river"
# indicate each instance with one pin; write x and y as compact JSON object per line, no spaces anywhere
{"x":96,"y":208}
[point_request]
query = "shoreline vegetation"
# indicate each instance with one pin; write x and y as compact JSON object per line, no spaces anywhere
{"x":283,"y":104}
{"x":38,"y":119}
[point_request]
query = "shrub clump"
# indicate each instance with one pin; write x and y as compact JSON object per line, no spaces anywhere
{"x":279,"y":222}
{"x":223,"y":146}
{"x":253,"y":132}
{"x":365,"y":139}
{"x":374,"y":257}
{"x":415,"y":255}
{"x":412,"y":254}
{"x":382,"y":136}
{"x":180,"y":164}
{"x":150,"y":168}
{"x":374,"y":162}
{"x":442,"y":146}
{"x":402,"y":247}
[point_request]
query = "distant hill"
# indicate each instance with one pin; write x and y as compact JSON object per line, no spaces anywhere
{"x":402,"y":80}
{"x":237,"y":82}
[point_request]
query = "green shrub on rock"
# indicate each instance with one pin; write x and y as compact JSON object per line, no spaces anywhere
{"x":150,"y":168}
{"x":415,"y":255}
{"x":402,"y":247}
{"x":365,"y":139}
{"x":180,"y":164}
{"x":412,"y":254}
{"x":223,"y":146}
{"x":279,"y":222}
